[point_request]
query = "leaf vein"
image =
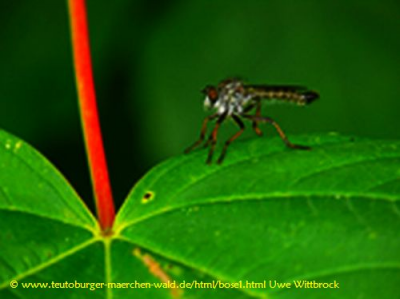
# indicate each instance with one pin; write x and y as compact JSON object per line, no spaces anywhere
{"x":49,"y":262}
{"x":255,"y":197}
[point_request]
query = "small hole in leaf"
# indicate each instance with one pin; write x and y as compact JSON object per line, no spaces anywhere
{"x":148,"y":196}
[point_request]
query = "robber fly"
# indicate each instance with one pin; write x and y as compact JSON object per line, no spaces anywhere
{"x":234,"y":99}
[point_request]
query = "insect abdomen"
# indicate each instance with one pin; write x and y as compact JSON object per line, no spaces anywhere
{"x":291,"y":96}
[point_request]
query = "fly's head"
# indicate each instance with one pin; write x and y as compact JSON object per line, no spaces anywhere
{"x":212,"y":96}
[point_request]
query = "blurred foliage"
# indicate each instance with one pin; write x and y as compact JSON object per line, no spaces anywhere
{"x":151,"y":59}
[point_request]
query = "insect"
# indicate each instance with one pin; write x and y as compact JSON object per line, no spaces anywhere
{"x":231,"y":98}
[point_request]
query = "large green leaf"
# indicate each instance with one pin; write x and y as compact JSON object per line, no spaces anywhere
{"x":267,"y":213}
{"x":275,"y":214}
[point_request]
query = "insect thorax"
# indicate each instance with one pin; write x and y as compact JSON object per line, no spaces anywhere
{"x":231,"y":98}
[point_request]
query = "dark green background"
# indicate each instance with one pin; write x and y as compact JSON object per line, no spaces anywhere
{"x":151,"y":58}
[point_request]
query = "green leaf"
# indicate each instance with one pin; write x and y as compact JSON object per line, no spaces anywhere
{"x":42,"y":219}
{"x":267,"y":213}
{"x":270,"y":213}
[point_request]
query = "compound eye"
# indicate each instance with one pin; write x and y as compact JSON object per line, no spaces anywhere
{"x":211,"y":93}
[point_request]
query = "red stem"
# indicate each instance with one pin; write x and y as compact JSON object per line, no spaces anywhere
{"x":89,"y":115}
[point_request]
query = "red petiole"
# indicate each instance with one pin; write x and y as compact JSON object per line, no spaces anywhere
{"x":89,"y":114}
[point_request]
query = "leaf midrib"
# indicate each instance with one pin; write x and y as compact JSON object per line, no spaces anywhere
{"x":258,"y":197}
{"x":50,"y":262}
{"x":88,"y":228}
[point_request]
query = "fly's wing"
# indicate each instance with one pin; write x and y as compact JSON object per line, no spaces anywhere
{"x":298,"y":95}
{"x":278,"y":87}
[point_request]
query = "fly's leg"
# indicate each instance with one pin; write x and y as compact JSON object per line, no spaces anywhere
{"x":230,"y":140}
{"x":278,"y":129}
{"x":213,"y":138}
{"x":255,"y":122}
{"x":202,"y":133}
{"x":258,"y":113}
